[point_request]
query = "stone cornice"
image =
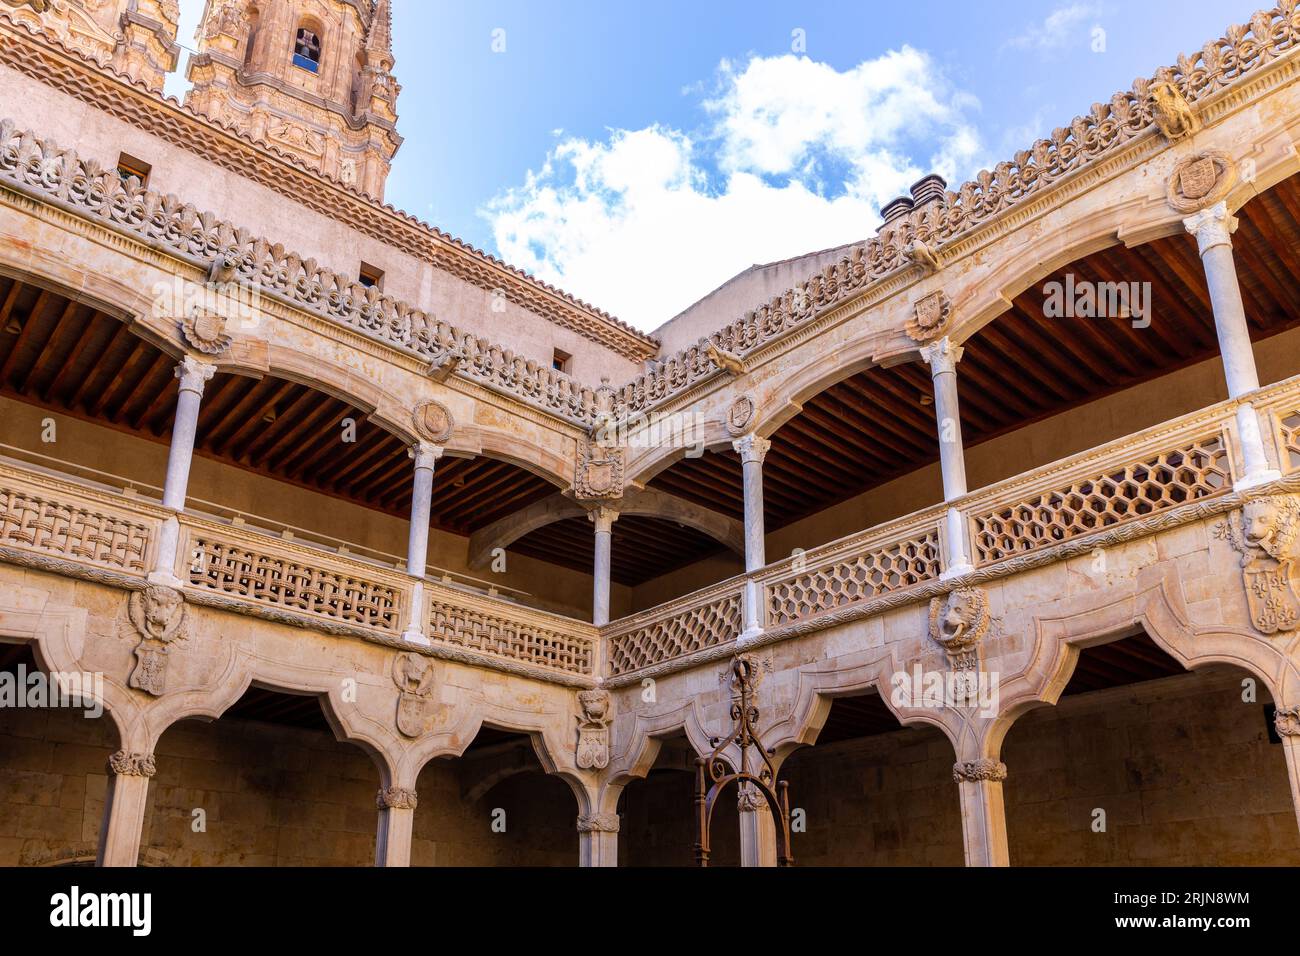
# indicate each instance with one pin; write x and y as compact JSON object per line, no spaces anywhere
{"x":45,"y":60}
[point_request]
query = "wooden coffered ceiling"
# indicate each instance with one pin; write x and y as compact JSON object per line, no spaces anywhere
{"x":880,"y":424}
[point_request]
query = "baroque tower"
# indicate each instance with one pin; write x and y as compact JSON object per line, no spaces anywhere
{"x":135,"y":37}
{"x":312,"y":78}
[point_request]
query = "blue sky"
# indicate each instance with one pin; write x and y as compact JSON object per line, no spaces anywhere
{"x":638,"y":155}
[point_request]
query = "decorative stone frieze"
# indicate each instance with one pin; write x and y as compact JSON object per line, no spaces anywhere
{"x":126,"y":764}
{"x":433,"y":422}
{"x":396,"y":798}
{"x":206,"y":332}
{"x":598,"y":823}
{"x":958,"y":622}
{"x":931,"y":317}
{"x":1171,"y":112}
{"x":1201,"y":180}
{"x":971,"y":771}
{"x":599,"y":473}
{"x":740,"y":414}
{"x":158,"y":616}
{"x":1264,"y":533}
{"x":413,"y":674}
{"x":593,"y":729}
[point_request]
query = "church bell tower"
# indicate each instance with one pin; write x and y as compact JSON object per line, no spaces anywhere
{"x":312,"y":78}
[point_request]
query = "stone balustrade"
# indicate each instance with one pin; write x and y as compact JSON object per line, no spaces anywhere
{"x":676,"y":630}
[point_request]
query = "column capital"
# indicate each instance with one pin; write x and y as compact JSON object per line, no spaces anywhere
{"x":396,"y":798}
{"x":127,"y":764}
{"x":1212,"y":226}
{"x":424,"y":454}
{"x":1287,"y":722}
{"x":751,"y":448}
{"x":942,"y":355}
{"x":194,"y":374}
{"x":973,"y":771}
{"x":603,"y":517}
{"x":598,"y":823}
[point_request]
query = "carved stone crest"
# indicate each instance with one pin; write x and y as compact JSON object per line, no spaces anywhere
{"x":1201,"y":180}
{"x":206,"y":332}
{"x":433,"y":422}
{"x":158,"y":616}
{"x":413,"y":675}
{"x":930,"y":317}
{"x":1264,"y":533}
{"x":740,"y":414}
{"x":1171,"y":112}
{"x":958,"y":623}
{"x":599,"y":473}
{"x":593,"y":729}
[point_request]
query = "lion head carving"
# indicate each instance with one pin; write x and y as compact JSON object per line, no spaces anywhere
{"x":157,"y":613}
{"x":1270,"y":524}
{"x":959,"y":621}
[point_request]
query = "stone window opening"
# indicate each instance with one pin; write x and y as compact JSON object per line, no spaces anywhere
{"x":371,"y":276}
{"x":561,"y":361}
{"x":128,"y":166}
{"x":306,"y":50}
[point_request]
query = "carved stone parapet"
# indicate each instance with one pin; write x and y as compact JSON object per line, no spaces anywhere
{"x":972,"y":771}
{"x":126,"y":764}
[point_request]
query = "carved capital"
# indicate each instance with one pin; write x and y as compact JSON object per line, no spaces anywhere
{"x":194,"y":375}
{"x":598,"y":823}
{"x":1212,"y":227}
{"x":750,"y":800}
{"x":942,"y":355}
{"x":1287,"y":722}
{"x":126,"y":764}
{"x":396,"y":798}
{"x":985,"y":768}
{"x":425,"y":455}
{"x":752,"y":449}
{"x":603,"y":517}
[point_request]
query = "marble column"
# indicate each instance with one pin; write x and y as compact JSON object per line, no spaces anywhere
{"x":1213,"y":228}
{"x":757,"y":828}
{"x":124,"y":806}
{"x":396,"y":824}
{"x":752,"y":450}
{"x":942,"y":356}
{"x":603,"y":517}
{"x":983,"y":814}
{"x":598,"y":839}
{"x":425,"y":457}
{"x":193,"y":376}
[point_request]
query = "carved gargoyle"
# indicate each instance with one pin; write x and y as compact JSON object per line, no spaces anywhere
{"x":1172,"y":114}
{"x":729,"y":362}
{"x":919,"y":253}
{"x":444,"y":364}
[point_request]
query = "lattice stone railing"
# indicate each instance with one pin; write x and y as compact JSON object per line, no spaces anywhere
{"x":530,"y":638}
{"x":673,"y":631}
{"x":1106,"y":128}
{"x":863,"y":573}
{"x":1188,"y":471}
{"x":67,"y":529}
{"x":243,"y":571}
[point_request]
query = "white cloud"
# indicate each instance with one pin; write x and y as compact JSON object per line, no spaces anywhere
{"x":1054,"y":33}
{"x":797,"y":156}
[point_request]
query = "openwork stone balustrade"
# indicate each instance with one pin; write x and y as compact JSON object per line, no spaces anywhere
{"x":708,"y":619}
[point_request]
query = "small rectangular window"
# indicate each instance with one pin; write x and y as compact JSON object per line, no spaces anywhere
{"x":560,"y":361}
{"x":128,"y":166}
{"x":371,"y":277}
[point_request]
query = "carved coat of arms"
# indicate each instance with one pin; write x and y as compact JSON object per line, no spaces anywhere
{"x":158,"y":616}
{"x":1264,"y":533}
{"x":600,"y":471}
{"x":413,"y":675}
{"x":593,"y":730}
{"x":930,"y":316}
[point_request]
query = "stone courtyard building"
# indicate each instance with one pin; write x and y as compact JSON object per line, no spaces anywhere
{"x":975,"y":542}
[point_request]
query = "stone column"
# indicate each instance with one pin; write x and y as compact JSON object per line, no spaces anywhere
{"x":193,"y":375}
{"x":425,"y":456}
{"x":1287,"y":723}
{"x":757,"y":828}
{"x":598,"y":839}
{"x":124,"y":805}
{"x":983,"y":815}
{"x":1213,"y":228}
{"x":396,"y":822}
{"x":603,"y":517}
{"x":752,"y":450}
{"x":943,"y":356}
